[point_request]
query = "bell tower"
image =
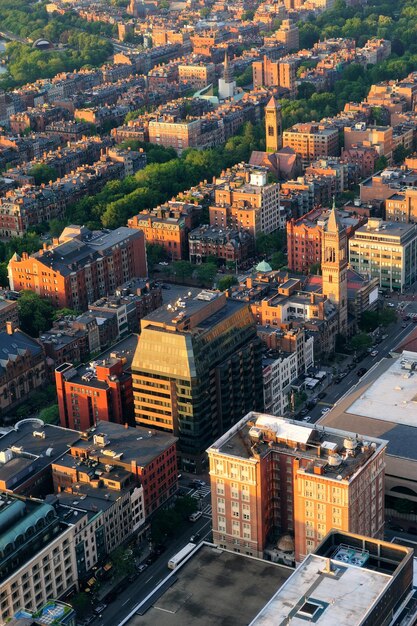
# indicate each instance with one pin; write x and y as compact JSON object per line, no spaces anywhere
{"x":273,"y":126}
{"x":334,"y":266}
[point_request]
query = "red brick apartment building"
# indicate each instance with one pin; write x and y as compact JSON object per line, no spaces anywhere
{"x":101,"y":390}
{"x":81,"y":266}
{"x":272,"y":476}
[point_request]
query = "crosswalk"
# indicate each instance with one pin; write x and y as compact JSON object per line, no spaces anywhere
{"x":200,"y":494}
{"x":202,"y":491}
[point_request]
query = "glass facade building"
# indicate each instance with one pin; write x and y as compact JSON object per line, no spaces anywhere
{"x":196,"y":372}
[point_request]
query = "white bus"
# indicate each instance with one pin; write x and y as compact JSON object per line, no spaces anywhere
{"x":181,"y":555}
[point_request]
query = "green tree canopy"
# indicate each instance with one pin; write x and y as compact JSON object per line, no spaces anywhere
{"x":226,"y":282}
{"x":43,"y":173}
{"x":35,"y":313}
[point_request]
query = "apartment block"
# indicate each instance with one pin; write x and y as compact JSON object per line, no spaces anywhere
{"x":196,"y":369}
{"x":168,"y":226}
{"x":37,"y":560}
{"x":402,"y":206}
{"x":279,"y":73}
{"x":386,"y":251}
{"x":198,"y":75}
{"x":226,"y":244}
{"x":272,"y":476}
{"x":378,"y":137}
{"x":245,"y":200}
{"x":8,"y":313}
{"x":100,"y":390}
{"x":288,"y":34}
{"x":136,"y":463}
{"x":81,"y":266}
{"x":311,"y":141}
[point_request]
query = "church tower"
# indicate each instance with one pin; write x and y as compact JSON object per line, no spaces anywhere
{"x":273,"y":126}
{"x":334,"y":266}
{"x":227,"y":85}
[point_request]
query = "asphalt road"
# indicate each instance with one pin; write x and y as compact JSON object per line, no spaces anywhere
{"x":147,"y":581}
{"x":335,"y":391}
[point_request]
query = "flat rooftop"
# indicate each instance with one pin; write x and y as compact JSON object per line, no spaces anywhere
{"x":392,"y":397}
{"x":311,"y":595}
{"x":215,"y":587}
{"x":136,"y":444}
{"x":394,"y":418}
{"x":338,"y":453}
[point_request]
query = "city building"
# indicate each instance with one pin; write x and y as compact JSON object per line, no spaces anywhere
{"x":273,"y":126}
{"x":226,"y":244}
{"x":289,"y":35}
{"x":227,"y":85}
{"x":378,"y":137}
{"x":8,"y":313}
{"x":305,"y":237}
{"x":37,"y":558}
{"x":168,"y":226}
{"x":387,"y":251}
{"x":206,"y":582}
{"x":198,"y":75}
{"x":196,"y":370}
{"x":290,"y":353}
{"x":72,"y":339}
{"x":119,"y":459}
{"x":23,"y":367}
{"x":382,"y":404}
{"x":272,"y":476}
{"x":100,"y":390}
{"x":244,"y":199}
{"x":320,"y":589}
{"x":81,"y":266}
{"x":62,"y":613}
{"x":279,"y":73}
{"x":402,"y":206}
{"x":131,"y":301}
{"x":311,"y":141}
{"x":334,"y":263}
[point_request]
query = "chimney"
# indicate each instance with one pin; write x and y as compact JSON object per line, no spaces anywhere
{"x":45,"y":246}
{"x":126,"y":425}
{"x":10,"y":328}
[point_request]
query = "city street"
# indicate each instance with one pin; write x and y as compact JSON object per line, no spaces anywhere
{"x":335,"y":391}
{"x":152,"y":576}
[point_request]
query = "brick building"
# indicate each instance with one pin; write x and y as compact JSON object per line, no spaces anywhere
{"x":245,"y":200}
{"x":275,"y":73}
{"x":271,"y":476}
{"x":101,"y":390}
{"x":305,"y":236}
{"x":226,"y":244}
{"x":168,"y":226}
{"x":22,"y":367}
{"x":81,"y":266}
{"x":146,"y":457}
{"x":311,"y":141}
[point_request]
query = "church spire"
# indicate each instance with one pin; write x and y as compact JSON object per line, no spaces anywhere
{"x":227,"y":70}
{"x":334,"y":225}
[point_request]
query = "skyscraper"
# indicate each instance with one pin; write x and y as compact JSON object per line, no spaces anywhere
{"x":197,"y":370}
{"x":273,"y":126}
{"x":334,"y":266}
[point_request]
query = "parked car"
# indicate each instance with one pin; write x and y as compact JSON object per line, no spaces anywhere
{"x":195,"y":516}
{"x":325,"y":410}
{"x":374,"y":353}
{"x":361,"y":372}
{"x":198,"y":483}
{"x":142,"y":567}
{"x":391,"y":305}
{"x":322,"y":395}
{"x":304,"y":411}
{"x":404,"y":325}
{"x":195,"y":538}
{"x":307,"y":418}
{"x":100,"y":608}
